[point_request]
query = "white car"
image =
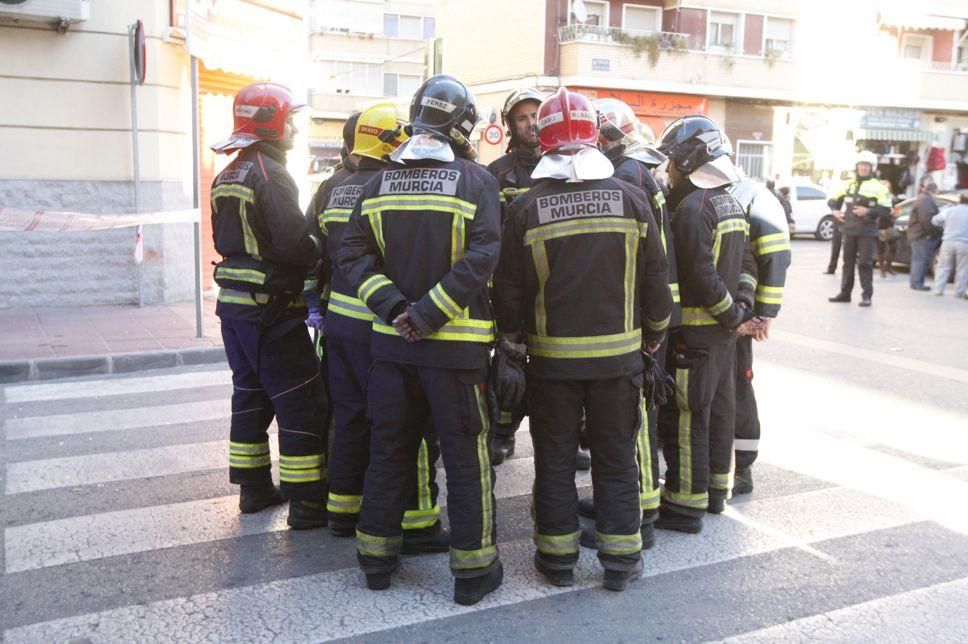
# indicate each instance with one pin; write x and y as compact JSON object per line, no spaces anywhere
{"x":811,"y":214}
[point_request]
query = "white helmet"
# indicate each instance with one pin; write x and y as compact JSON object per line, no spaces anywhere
{"x":867,"y":157}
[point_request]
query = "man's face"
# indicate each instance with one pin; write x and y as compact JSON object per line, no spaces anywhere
{"x":863,"y":169}
{"x":288,"y":140}
{"x":522,"y":120}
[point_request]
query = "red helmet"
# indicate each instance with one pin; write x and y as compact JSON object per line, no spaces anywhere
{"x":567,"y":119}
{"x":261,"y":111}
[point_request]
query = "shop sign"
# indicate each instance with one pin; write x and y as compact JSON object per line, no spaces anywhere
{"x":886,"y":118}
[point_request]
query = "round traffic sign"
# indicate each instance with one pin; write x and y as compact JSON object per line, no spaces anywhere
{"x":493,"y":134}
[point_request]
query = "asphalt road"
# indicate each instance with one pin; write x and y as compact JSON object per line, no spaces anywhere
{"x":119,"y":523}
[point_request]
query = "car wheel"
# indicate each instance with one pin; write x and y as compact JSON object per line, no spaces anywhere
{"x":825,"y":229}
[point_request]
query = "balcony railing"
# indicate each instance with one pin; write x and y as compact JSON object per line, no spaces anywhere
{"x":936,"y":66}
{"x":663,"y":40}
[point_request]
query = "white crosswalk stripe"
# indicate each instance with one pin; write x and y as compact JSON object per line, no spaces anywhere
{"x":116,"y":386}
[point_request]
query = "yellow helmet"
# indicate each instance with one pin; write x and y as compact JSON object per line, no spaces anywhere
{"x":380,"y":130}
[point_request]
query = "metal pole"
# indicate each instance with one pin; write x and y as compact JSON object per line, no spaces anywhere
{"x":196,"y":195}
{"x":134,"y":144}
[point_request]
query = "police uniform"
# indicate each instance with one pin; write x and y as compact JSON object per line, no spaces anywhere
{"x":859,"y":233}
{"x":260,"y":231}
{"x":583,"y":273}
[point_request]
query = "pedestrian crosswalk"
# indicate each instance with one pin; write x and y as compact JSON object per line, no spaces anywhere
{"x":825,"y":490}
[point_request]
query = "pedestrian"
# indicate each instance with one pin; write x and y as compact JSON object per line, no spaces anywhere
{"x":583,"y":282}
{"x":856,"y":205}
{"x":268,"y":250}
{"x":887,"y":236}
{"x":954,"y":248}
{"x":709,"y":229}
{"x":379,"y":130}
{"x":923,"y":236}
{"x":783,"y":196}
{"x":419,"y":250}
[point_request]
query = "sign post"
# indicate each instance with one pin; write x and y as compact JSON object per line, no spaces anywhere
{"x":196,"y":171}
{"x":136,"y":41}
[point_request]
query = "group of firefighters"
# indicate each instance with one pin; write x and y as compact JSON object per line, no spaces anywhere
{"x":604,"y":284}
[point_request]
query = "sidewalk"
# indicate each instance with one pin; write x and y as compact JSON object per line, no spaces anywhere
{"x":42,"y":343}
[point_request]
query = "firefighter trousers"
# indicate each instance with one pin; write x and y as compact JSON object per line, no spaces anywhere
{"x":275,"y":374}
{"x":399,"y":397}
{"x":747,"y":416}
{"x":647,"y":453}
{"x":613,"y":409}
{"x":349,"y":368}
{"x":697,"y":430}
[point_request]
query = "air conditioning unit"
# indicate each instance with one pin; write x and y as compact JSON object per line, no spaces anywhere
{"x":60,"y":13}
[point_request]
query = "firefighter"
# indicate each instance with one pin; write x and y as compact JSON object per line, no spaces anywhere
{"x":513,"y":173}
{"x":760,"y":290}
{"x":709,"y":230}
{"x":629,"y":145}
{"x":583,"y":283}
{"x":857,"y":204}
{"x":268,"y":249}
{"x":419,"y":250}
{"x":379,"y":131}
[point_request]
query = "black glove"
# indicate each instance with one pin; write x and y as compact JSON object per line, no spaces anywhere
{"x":658,"y":387}
{"x":507,"y":375}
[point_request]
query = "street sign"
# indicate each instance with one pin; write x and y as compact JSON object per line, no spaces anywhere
{"x":493,"y":134}
{"x":139,"y":53}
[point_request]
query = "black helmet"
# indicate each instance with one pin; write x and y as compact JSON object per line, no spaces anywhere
{"x":444,"y":106}
{"x":692,"y":141}
{"x":519,"y":96}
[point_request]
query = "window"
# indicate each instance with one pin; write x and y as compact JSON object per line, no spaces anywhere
{"x":401,"y":85}
{"x":916,"y":47}
{"x":806,"y":193}
{"x":409,"y":27}
{"x":358,"y":79}
{"x":429,"y":28}
{"x":348,"y":16}
{"x":597,"y":13}
{"x":642,"y":18}
{"x":391,"y":25}
{"x":779,"y":36}
{"x":723,"y":31}
{"x":754,"y":157}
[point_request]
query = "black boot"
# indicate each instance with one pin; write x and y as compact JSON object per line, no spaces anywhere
{"x":865,"y":301}
{"x":583,"y":460}
{"x":648,"y":536}
{"x":717,"y":501}
{"x":253,"y":498}
{"x":619,"y":579}
{"x":556,"y":577}
{"x":502,"y":448}
{"x":672,"y":520}
{"x":586,"y":508}
{"x":425,"y":540}
{"x":305,"y":515}
{"x":342,"y":525}
{"x":470,"y":590}
{"x":743,"y":481}
{"x":840,"y":297}
{"x":380,"y":580}
{"x":587,"y":539}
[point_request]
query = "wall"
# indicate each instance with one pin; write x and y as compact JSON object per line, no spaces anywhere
{"x":753,"y":35}
{"x":66,"y":111}
{"x":687,"y":21}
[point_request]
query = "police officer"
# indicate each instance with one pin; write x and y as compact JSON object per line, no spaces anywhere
{"x":761,"y":290}
{"x":857,"y":204}
{"x":379,"y":131}
{"x":268,"y":249}
{"x":709,"y":230}
{"x":420,"y":247}
{"x":583,"y":282}
{"x":513,"y":173}
{"x":628,"y":144}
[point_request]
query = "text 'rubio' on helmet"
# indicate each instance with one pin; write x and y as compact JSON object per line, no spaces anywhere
{"x":517,"y":97}
{"x":260,"y":112}
{"x":692,"y":141}
{"x":380,"y":130}
{"x":617,"y":122}
{"x":444,"y":106}
{"x":567,"y":121}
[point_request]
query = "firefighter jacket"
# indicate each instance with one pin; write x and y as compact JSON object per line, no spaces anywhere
{"x":314,"y":213}
{"x":428,"y":234}
{"x":262,"y":235}
{"x":861,"y":191}
{"x":513,"y":174}
{"x":768,"y":248}
{"x":582,"y":271}
{"x":709,"y":230}
{"x":637,"y":173}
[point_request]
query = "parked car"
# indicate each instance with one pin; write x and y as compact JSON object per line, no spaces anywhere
{"x":902,"y":212}
{"x":811,"y":214}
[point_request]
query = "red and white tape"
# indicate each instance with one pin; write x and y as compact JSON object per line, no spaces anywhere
{"x":56,"y":221}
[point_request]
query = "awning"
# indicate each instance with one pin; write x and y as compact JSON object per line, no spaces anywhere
{"x":916,"y":20}
{"x":894,"y":135}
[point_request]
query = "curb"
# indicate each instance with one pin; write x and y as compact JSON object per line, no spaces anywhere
{"x":52,"y":368}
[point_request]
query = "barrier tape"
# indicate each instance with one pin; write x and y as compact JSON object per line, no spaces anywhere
{"x":56,"y":221}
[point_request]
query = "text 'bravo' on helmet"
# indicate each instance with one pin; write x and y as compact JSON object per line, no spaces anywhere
{"x":567,"y":122}
{"x":691,"y":142}
{"x":445,"y":107}
{"x":379,"y":130}
{"x":260,"y":112}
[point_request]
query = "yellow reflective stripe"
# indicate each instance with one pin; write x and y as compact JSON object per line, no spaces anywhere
{"x":769,"y":241}
{"x":657,"y":326}
{"x":674,"y":287}
{"x":248,"y":448}
{"x":349,"y":306}
{"x":769,"y":294}
{"x":722,"y":306}
{"x":631,"y":259}
{"x":685,"y":429}
{"x":468,"y":559}
{"x":344,"y":503}
{"x":697,"y":316}
{"x":418,"y":519}
{"x":235,"y":190}
{"x":732,"y":225}
{"x":647,"y":493}
{"x":697,"y":501}
{"x":335,"y":215}
{"x":773,"y":247}
{"x":367,"y":544}
{"x":659,"y":199}
{"x":719,"y":481}
{"x":746,"y":278}
{"x":230,"y":296}
{"x":622,"y":225}
{"x":595,"y":346}
{"x":300,"y":462}
{"x":249,"y":462}
{"x":514,"y":192}
{"x":251,"y":244}
{"x":484,"y":463}
{"x":433,"y":203}
{"x":540,"y":255}
{"x":376,"y":223}
{"x":423,"y":476}
{"x":444,"y":302}
{"x":619,"y":544}
{"x":557,"y":544}
{"x":504,"y":417}
{"x":241,"y":274}
{"x":300,"y":476}
{"x":460,"y":330}
{"x":372,"y":285}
